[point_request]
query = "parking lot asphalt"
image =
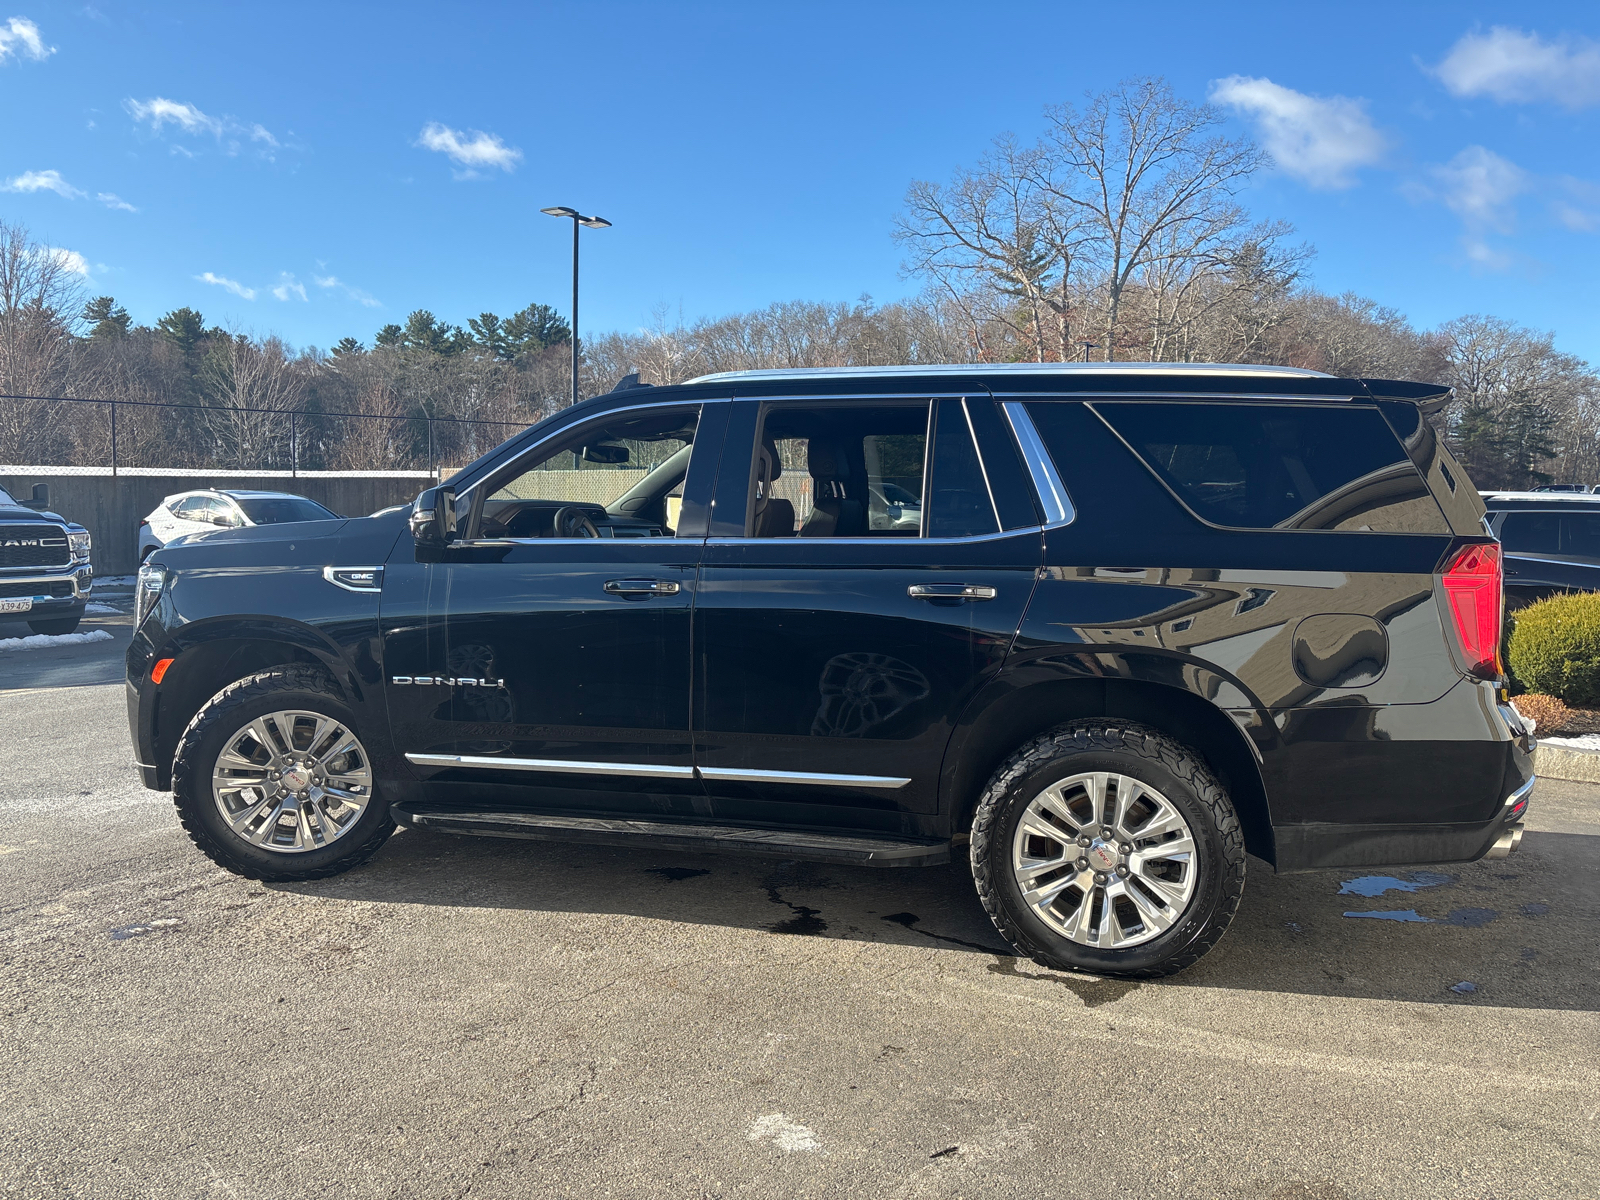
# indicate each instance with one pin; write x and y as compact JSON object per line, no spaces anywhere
{"x":496,"y":1018}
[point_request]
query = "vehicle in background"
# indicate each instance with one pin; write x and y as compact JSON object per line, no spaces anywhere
{"x":1551,"y":542}
{"x":209,"y":509}
{"x":45,"y":574}
{"x":1563,"y":487}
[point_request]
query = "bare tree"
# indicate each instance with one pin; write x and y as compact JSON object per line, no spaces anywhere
{"x":41,"y":296}
{"x":1143,"y":169}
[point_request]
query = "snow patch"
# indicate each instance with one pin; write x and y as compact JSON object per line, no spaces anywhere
{"x":788,"y":1136}
{"x":116,"y":580}
{"x":44,"y":641}
{"x":1583,"y":741}
{"x":92,"y":607}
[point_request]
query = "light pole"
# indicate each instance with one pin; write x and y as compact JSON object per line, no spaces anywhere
{"x":593,"y":223}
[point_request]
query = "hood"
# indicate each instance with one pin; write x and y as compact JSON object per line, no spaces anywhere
{"x":15,"y":512}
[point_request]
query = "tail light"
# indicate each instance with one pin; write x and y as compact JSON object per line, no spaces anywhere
{"x":1475,"y":591}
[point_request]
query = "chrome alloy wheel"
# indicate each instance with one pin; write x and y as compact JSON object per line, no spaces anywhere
{"x":292,"y":781}
{"x":1104,"y":860}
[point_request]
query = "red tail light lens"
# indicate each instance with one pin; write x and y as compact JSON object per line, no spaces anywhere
{"x":1474,"y":588}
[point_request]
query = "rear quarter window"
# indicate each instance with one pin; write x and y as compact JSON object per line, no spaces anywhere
{"x":1279,"y":466}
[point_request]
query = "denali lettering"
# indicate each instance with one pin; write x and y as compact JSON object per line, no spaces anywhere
{"x":446,"y":681}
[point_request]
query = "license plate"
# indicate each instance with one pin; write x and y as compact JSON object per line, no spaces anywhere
{"x":16,"y":605}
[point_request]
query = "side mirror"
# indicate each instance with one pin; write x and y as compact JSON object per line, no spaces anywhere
{"x":433,"y":518}
{"x":605,"y":452}
{"x":41,"y":498}
{"x":225,"y":522}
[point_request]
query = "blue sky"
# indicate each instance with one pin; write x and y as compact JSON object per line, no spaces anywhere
{"x":319,"y":170}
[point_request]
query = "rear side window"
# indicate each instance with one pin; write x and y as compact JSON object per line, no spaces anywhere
{"x":1273,"y":466}
{"x":1577,"y":534}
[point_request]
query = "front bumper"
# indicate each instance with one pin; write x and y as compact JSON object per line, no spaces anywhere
{"x":51,"y":592}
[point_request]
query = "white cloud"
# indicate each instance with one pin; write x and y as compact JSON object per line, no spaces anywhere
{"x":19,"y":38}
{"x":160,"y":111}
{"x":43,"y":181}
{"x":1579,"y":207}
{"x":112,"y":200}
{"x":70,"y":260}
{"x":1481,"y":188}
{"x":229,"y":131}
{"x":1515,"y":67}
{"x":470,"y":149}
{"x":288,"y":286}
{"x":1320,"y":141}
{"x":355,"y":293}
{"x":230,"y":285}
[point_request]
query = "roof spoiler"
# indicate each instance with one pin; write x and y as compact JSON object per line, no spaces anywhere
{"x":1429,"y":397}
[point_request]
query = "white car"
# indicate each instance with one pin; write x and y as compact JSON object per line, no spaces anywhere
{"x":208,"y":509}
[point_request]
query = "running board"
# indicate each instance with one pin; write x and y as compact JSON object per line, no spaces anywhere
{"x":864,"y":850}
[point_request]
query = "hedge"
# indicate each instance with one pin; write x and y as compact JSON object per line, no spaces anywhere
{"x":1555,"y":648}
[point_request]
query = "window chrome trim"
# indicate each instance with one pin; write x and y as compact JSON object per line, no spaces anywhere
{"x":1532,"y":556}
{"x":730,"y":775}
{"x":558,"y":765}
{"x":1053,"y":499}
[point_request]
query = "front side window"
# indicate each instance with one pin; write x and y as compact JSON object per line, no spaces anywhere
{"x":1280,"y":466}
{"x":622,"y":478}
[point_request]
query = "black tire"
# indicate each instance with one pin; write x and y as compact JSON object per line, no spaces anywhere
{"x":58,"y":625}
{"x":292,"y":686}
{"x":1149,"y":757}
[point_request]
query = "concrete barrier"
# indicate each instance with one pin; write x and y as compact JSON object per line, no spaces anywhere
{"x":111,"y":507}
{"x":1566,"y":762}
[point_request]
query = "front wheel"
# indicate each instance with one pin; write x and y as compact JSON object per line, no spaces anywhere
{"x":1108,"y":848}
{"x":272,"y":781}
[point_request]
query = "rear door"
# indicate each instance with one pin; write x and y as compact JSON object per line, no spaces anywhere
{"x":1550,"y":551}
{"x":866,"y":574}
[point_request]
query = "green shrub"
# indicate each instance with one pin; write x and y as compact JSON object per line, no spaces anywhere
{"x":1555,"y":648}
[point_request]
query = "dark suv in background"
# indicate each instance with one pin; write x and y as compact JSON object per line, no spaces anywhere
{"x":1551,"y":542}
{"x":1103,"y":629}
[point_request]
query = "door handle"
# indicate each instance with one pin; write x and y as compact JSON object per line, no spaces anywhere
{"x":641,"y":589}
{"x":950,"y":591}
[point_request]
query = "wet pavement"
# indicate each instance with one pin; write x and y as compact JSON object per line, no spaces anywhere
{"x":499,"y":1018}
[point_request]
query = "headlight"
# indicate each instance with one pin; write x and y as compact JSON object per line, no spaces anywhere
{"x":152,"y":579}
{"x":79,"y":543}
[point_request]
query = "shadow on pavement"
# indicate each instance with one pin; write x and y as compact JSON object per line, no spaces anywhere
{"x":81,"y":665}
{"x":1518,"y":932}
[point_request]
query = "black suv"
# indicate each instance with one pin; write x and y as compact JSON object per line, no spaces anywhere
{"x":1551,"y":542}
{"x":1103,"y":629}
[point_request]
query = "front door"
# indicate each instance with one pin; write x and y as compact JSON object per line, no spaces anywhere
{"x":559,"y":658}
{"x":875,"y":585}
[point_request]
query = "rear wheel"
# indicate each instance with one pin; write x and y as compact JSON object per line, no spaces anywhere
{"x":272,"y":781}
{"x":1108,"y":848}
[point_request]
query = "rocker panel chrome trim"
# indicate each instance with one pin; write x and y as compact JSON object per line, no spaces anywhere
{"x":560,"y":765}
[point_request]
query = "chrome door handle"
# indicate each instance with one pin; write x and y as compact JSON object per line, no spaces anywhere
{"x":642,"y":588}
{"x":950,"y":591}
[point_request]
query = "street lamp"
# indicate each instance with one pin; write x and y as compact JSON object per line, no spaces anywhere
{"x":593,"y":223}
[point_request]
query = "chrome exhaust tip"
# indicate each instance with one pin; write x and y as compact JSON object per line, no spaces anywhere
{"x":1506,"y":843}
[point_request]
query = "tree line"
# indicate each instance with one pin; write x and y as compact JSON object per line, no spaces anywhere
{"x":1118,"y":235}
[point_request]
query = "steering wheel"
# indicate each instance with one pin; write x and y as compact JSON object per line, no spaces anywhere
{"x":573,"y":522}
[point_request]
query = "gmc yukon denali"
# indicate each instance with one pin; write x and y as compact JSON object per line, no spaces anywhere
{"x":1104,"y":630}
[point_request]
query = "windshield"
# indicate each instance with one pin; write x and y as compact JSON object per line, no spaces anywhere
{"x":281,"y":509}
{"x":5,"y":497}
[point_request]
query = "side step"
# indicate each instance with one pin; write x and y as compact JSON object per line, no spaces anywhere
{"x":862,"y":850}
